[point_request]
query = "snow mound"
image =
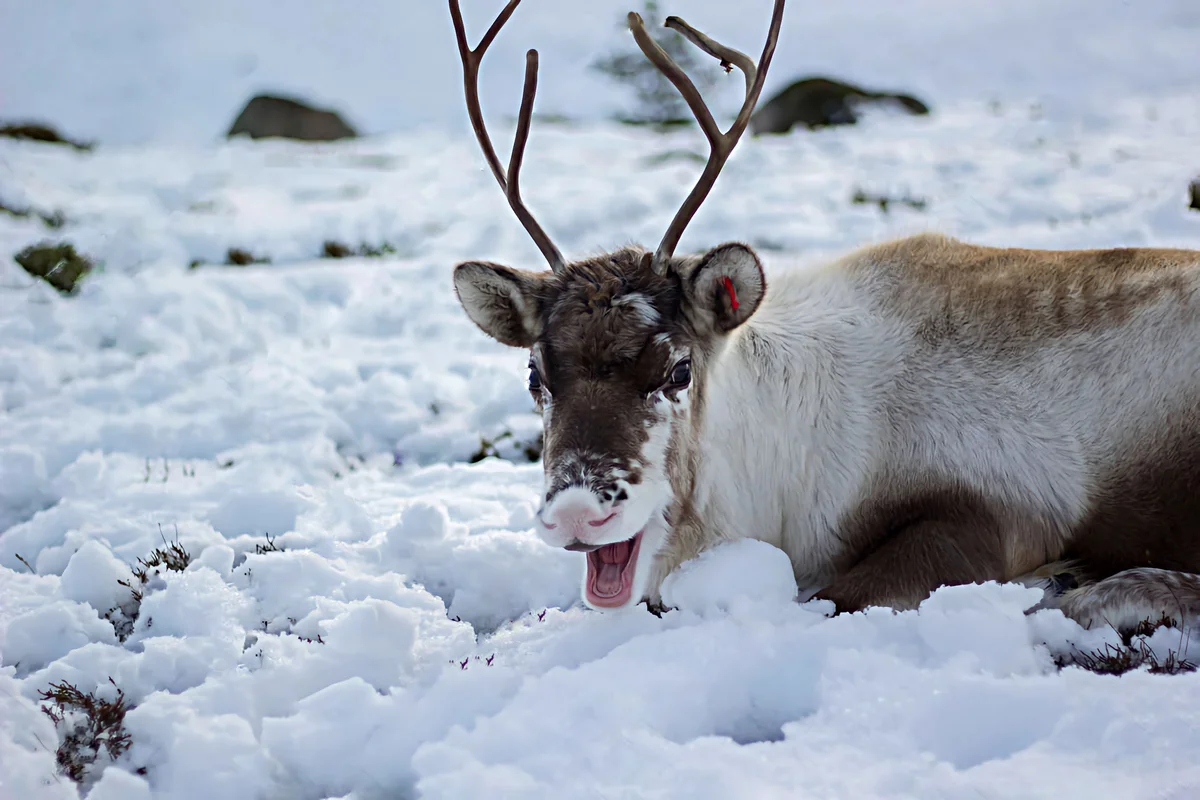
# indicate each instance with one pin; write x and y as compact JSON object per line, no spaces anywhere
{"x":734,"y":575}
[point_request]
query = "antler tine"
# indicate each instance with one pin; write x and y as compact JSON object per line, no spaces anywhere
{"x":674,"y":73}
{"x":509,"y":180}
{"x":726,"y":55}
{"x":721,"y":144}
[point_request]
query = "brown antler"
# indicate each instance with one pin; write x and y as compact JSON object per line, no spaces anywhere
{"x":720,"y":144}
{"x":510,"y":180}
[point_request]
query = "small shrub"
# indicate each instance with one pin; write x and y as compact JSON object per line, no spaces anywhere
{"x":1109,"y":660}
{"x":57,"y":264}
{"x":269,"y":547}
{"x":1133,"y":653}
{"x":1119,"y":659}
{"x":171,"y":556}
{"x":367,"y":251}
{"x":861,"y":197}
{"x":86,"y":724}
{"x":532,"y":450}
{"x":236,"y":257}
{"x":1173,"y":664}
{"x":1147,"y":627}
{"x":335,"y":249}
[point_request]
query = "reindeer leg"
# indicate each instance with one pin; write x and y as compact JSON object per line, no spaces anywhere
{"x":920,"y":557}
{"x":1133,"y":597}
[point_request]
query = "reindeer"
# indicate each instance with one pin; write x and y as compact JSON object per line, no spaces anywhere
{"x":919,"y":413}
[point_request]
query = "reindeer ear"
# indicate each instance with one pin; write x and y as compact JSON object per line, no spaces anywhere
{"x":502,"y":301}
{"x":725,"y":288}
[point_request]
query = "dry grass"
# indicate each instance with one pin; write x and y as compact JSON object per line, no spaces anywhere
{"x":1133,"y":653}
{"x":269,"y":547}
{"x":171,"y":556}
{"x":86,"y":725}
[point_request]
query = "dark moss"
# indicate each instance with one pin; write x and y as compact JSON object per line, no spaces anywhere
{"x":335,"y":249}
{"x":57,"y":264}
{"x":885,"y":202}
{"x":489,"y":448}
{"x":236,"y":257}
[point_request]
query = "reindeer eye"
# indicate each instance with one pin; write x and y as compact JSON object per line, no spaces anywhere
{"x":535,"y":379}
{"x":681,"y":375}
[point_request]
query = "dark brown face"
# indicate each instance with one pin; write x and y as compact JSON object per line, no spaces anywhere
{"x":617,"y":364}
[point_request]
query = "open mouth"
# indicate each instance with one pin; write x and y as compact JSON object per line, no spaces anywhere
{"x":610,"y":572}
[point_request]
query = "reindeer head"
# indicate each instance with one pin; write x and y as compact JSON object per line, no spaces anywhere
{"x":620,"y":344}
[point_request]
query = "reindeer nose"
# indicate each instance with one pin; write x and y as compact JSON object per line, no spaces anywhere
{"x":579,"y":516}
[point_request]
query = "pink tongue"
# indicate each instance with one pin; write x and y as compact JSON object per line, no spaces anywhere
{"x":613,"y":558}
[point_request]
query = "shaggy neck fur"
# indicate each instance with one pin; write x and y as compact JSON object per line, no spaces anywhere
{"x":780,"y":434}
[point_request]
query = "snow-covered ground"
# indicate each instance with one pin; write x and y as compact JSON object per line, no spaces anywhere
{"x":148,"y":70}
{"x":368,"y":615}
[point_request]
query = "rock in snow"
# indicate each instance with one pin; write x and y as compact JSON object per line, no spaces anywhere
{"x":270,"y":116}
{"x":814,"y":103}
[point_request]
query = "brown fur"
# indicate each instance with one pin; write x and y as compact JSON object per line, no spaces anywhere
{"x":1015,"y":296}
{"x":912,"y":533}
{"x":911,"y":536}
{"x":606,"y":333}
{"x":949,"y":537}
{"x":915,"y":528}
{"x":594,"y":351}
{"x":1146,"y":511}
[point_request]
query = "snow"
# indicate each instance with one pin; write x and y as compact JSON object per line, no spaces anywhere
{"x":391,"y":66}
{"x":720,"y":580}
{"x":366,"y":612}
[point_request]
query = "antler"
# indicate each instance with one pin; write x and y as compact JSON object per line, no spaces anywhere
{"x":510,"y":180}
{"x":720,"y":143}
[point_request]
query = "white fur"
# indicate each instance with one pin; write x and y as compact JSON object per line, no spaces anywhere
{"x":784,"y":441}
{"x":794,"y":430}
{"x":642,"y":511}
{"x":1124,"y":600}
{"x":641,"y":306}
{"x":831,"y":383}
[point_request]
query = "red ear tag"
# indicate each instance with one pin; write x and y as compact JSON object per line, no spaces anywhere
{"x":732,"y":294}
